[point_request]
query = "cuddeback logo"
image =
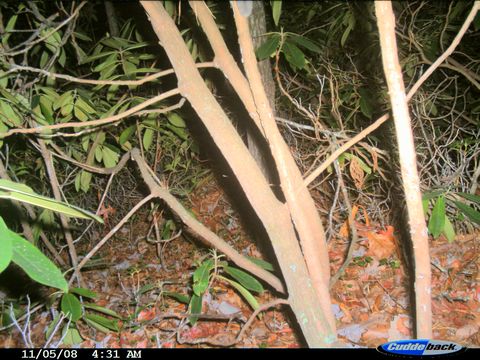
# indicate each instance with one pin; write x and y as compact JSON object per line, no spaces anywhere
{"x":422,"y":347}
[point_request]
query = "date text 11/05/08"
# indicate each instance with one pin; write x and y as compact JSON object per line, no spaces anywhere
{"x":61,"y":354}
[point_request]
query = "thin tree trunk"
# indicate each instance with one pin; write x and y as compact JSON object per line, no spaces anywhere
{"x":408,"y":164}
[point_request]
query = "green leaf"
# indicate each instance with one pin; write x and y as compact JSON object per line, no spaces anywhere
{"x":79,"y":114}
{"x":360,"y":162}
{"x":269,"y":47}
{"x":101,"y":323}
{"x":176,"y":120}
{"x":471,"y":197}
{"x":276,"y":10}
{"x":35,"y":264}
{"x":471,"y":213}
{"x":425,"y":206}
{"x":71,"y":306}
{"x":110,"y":157}
{"x":85,"y":178}
{"x":84,"y":106}
{"x":365,"y":107}
{"x":304,"y":42}
{"x":83,"y":292}
{"x":52,"y":326}
{"x":262,"y":263}
{"x":437,"y":219}
{"x":245,"y":279}
{"x":97,"y":56}
{"x":11,"y":190}
{"x":195,"y":307}
{"x":244,"y":292}
{"x":184,"y":299}
{"x":8,"y":115}
{"x":294,"y":55}
{"x":448,"y":230}
{"x":102,"y":310}
{"x":126,"y":134}
{"x":346,"y":33}
{"x":71,"y":336}
{"x":6,"y":248}
{"x":147,"y":138}
{"x":201,"y":277}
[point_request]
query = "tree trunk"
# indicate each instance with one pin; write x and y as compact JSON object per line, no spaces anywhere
{"x":273,"y":214}
{"x":258,"y":27}
{"x":408,"y":164}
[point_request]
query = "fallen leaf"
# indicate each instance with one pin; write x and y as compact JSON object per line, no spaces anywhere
{"x":146,"y":315}
{"x":381,"y":245}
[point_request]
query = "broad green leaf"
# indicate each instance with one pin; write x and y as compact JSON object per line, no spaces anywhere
{"x":46,"y":107}
{"x":471,"y":197}
{"x":6,"y":248}
{"x":184,"y":299}
{"x":71,"y":306}
{"x":245,"y":279}
{"x":470,"y":212}
{"x":181,"y":133}
{"x":110,"y":61}
{"x":101,"y":323}
{"x":3,"y":79}
{"x":294,"y":55}
{"x":14,"y":186}
{"x":195,"y":307}
{"x":36,"y":264}
{"x":437,"y":219}
{"x":79,"y":114}
{"x":66,"y":109}
{"x":62,"y":100}
{"x":71,"y":336}
{"x":98,"y":154}
{"x":147,"y":138}
{"x":102,"y":310}
{"x":365,"y":107}
{"x":244,"y":292}
{"x":110,"y":157}
{"x":425,"y":206}
{"x":262,"y":263}
{"x":304,"y":42}
{"x":78,"y":184}
{"x":97,"y":56}
{"x":83,"y":292}
{"x":85,"y":178}
{"x":276,"y":10}
{"x":126,"y":134}
{"x":201,"y":277}
{"x":84,"y":106}
{"x":8,"y":115}
{"x":269,"y":47}
{"x":47,"y":203}
{"x":176,"y":120}
{"x":448,"y":230}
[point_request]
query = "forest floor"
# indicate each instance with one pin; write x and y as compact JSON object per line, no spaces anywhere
{"x":371,"y":300}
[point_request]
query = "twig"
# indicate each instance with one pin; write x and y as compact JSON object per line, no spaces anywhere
{"x":17,"y":68}
{"x":351,"y":225}
{"x":47,"y":158}
{"x":108,"y":120}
